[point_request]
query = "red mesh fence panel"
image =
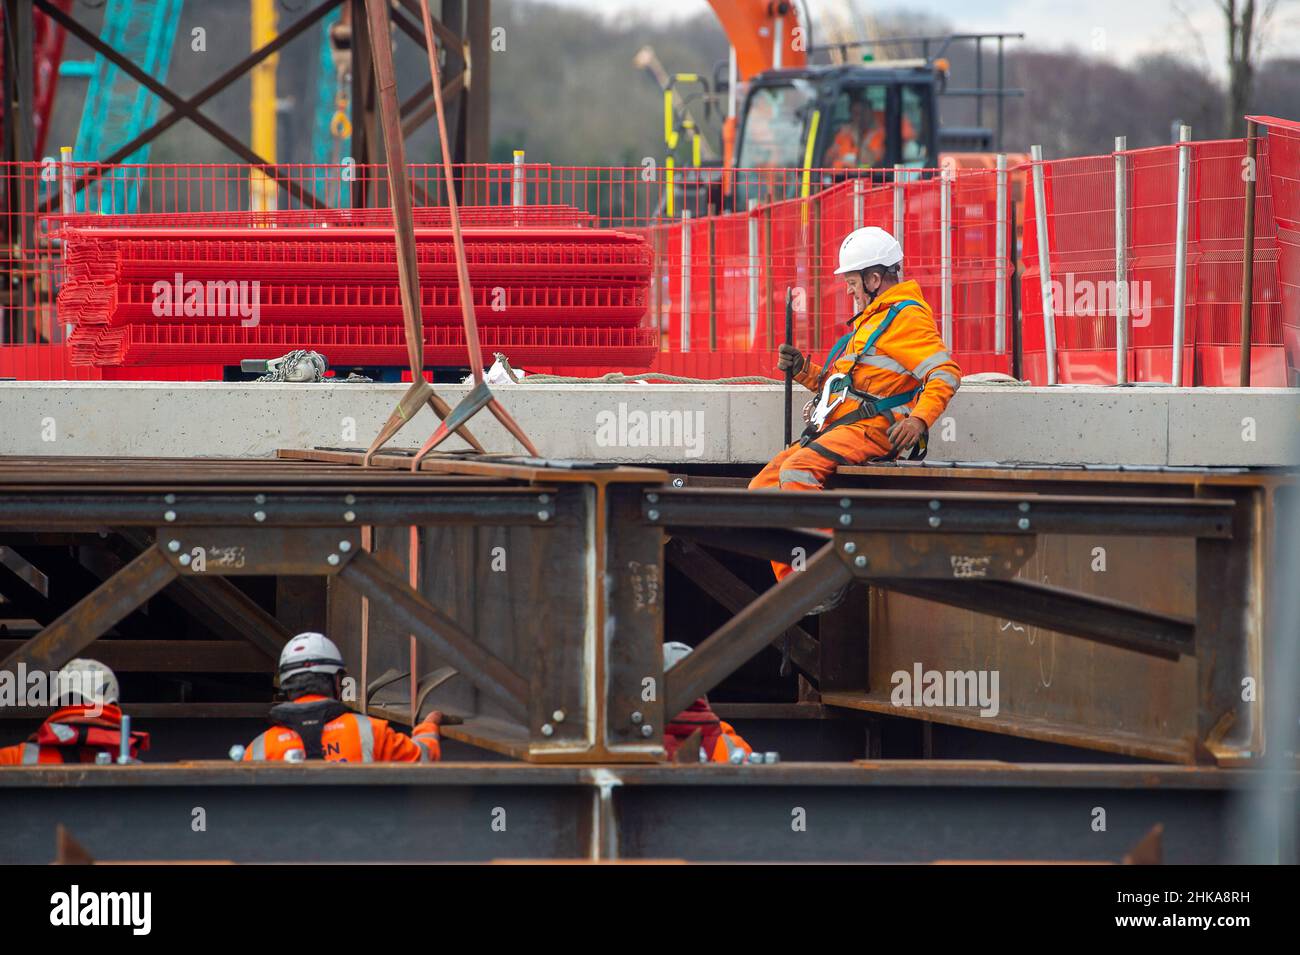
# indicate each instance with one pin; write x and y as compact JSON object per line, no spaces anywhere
{"x":591,"y":248}
{"x":1080,"y":201}
{"x":1279,"y":169}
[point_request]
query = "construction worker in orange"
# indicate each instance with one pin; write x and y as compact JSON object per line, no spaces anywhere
{"x":719,"y":742}
{"x":87,"y":727}
{"x":884,"y":383}
{"x":315,"y":724}
{"x":858,"y":143}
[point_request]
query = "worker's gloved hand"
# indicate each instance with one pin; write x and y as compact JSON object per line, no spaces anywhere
{"x":430,"y":715}
{"x":905,"y":433}
{"x":790,"y":359}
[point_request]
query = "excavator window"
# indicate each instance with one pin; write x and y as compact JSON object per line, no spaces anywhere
{"x":775,"y":121}
{"x":858,"y":129}
{"x":913,"y":128}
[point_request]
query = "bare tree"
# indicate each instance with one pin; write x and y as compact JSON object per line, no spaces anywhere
{"x":1248,"y":24}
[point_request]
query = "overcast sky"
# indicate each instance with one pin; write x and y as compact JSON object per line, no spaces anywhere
{"x":1119,"y":29}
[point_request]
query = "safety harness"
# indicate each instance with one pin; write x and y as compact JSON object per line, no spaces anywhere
{"x":308,"y":721}
{"x":869,"y":406}
{"x":86,"y":734}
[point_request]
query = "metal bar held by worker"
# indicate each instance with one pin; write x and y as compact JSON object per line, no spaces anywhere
{"x":789,"y":372}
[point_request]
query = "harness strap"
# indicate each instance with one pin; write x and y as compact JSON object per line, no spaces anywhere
{"x":827,"y":453}
{"x":869,"y":405}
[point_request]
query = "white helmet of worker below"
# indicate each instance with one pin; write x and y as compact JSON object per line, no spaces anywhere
{"x":863,"y":248}
{"x":674,"y":651}
{"x":89,"y":682}
{"x":310,"y":653}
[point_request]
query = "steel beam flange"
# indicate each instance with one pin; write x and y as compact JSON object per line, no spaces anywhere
{"x":942,"y":556}
{"x":246,"y":551}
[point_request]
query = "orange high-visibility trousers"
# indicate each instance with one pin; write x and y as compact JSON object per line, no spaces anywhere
{"x":806,"y":469}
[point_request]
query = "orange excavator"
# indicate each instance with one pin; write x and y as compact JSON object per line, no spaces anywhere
{"x":850,"y":117}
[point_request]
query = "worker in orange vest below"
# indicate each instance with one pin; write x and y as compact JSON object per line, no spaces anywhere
{"x":315,"y":724}
{"x":719,"y":742}
{"x":884,"y":383}
{"x":87,"y":728}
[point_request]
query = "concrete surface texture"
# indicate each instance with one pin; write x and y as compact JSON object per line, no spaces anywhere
{"x":666,"y":424}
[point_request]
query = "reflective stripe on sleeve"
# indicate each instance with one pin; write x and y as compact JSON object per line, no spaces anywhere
{"x":426,"y":744}
{"x":258,"y":747}
{"x":366,"y":733}
{"x":31,"y":753}
{"x":947,"y":376}
{"x":931,"y":363}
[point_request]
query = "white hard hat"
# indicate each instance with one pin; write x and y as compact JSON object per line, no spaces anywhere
{"x":87,"y":681}
{"x":310,"y":653}
{"x":863,"y":248}
{"x":673,"y":653}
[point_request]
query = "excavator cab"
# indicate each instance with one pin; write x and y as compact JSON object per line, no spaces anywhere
{"x":843,"y":120}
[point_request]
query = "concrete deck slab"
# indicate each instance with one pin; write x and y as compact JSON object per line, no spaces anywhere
{"x":650,"y":424}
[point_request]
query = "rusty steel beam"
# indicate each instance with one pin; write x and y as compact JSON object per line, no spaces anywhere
{"x":944,"y":512}
{"x":711,"y":576}
{"x":410,"y":609}
{"x":95,"y":614}
{"x":1065,"y":611}
{"x":736,"y":641}
{"x":173,"y":656}
{"x":764,"y":543}
{"x":64,"y":509}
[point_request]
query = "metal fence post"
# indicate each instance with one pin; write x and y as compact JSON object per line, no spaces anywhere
{"x":1044,"y":264}
{"x":1248,"y":254}
{"x":857,"y":204}
{"x":686,"y":280}
{"x":67,"y":182}
{"x":752,"y":224}
{"x":1000,"y":288}
{"x":518,"y":191}
{"x":898,"y":203}
{"x":1180,"y":252}
{"x":1121,"y":261}
{"x":945,"y":253}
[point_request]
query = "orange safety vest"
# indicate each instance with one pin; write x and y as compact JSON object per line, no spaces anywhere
{"x":718,"y":740}
{"x":323,"y":728}
{"x":851,"y":151}
{"x":72,"y":735}
{"x":909,"y":354}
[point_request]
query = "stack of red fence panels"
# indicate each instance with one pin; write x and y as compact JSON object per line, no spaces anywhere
{"x":168,"y":295}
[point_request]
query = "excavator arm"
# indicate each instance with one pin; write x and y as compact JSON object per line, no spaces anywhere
{"x":762,"y":31}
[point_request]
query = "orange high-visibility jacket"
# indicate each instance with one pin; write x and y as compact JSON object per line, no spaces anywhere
{"x":352,"y":738}
{"x":728,"y":742}
{"x":72,"y":735}
{"x":718,"y":738}
{"x":908,"y":354}
{"x":854,"y":149}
